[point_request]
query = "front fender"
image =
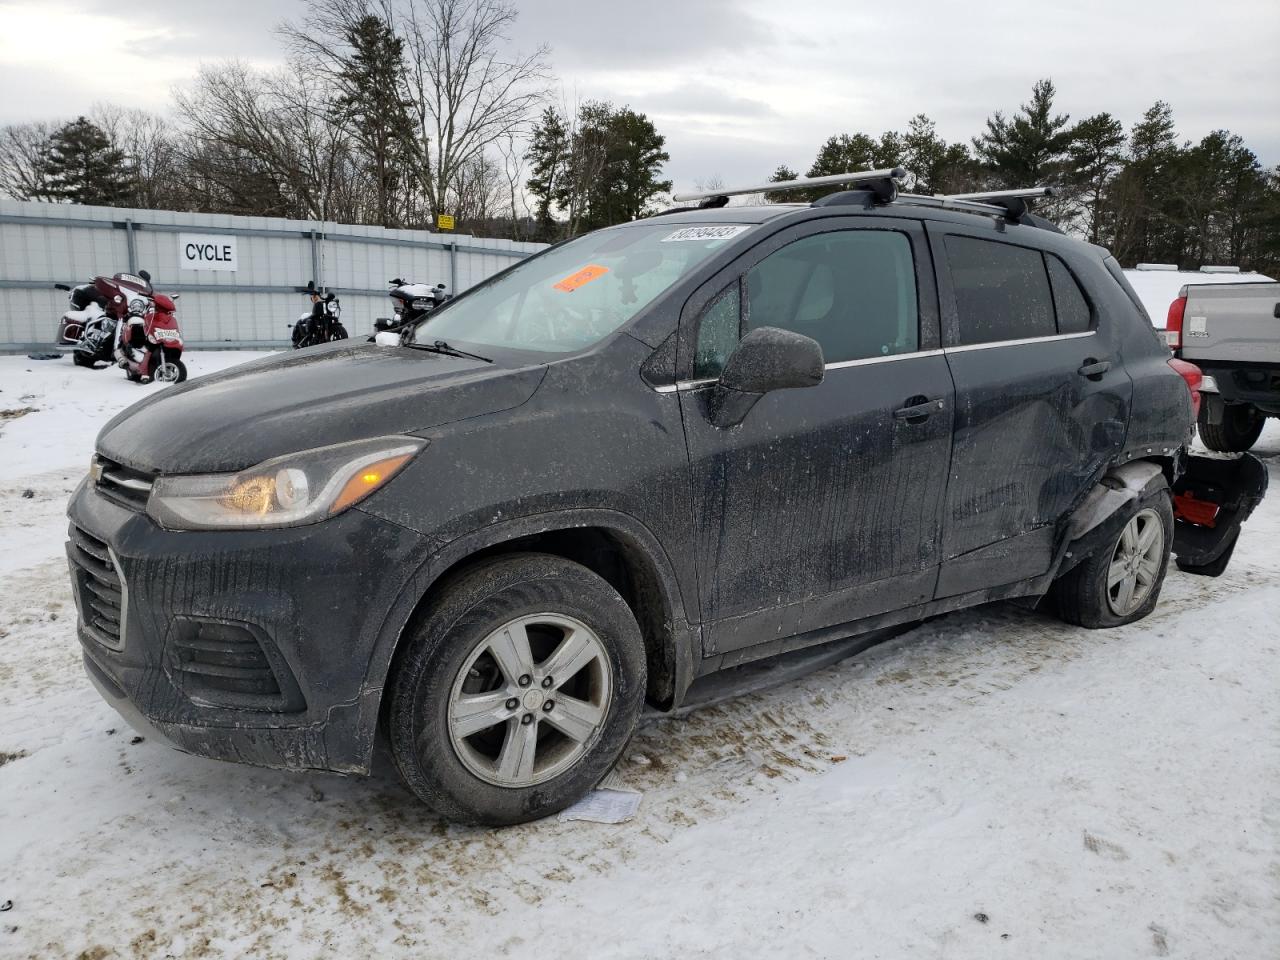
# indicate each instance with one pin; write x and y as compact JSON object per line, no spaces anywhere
{"x":686,"y":648}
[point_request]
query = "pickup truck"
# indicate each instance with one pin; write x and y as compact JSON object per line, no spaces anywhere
{"x":1231,"y":331}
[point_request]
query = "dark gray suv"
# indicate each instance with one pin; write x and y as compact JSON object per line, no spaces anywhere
{"x":642,"y":457}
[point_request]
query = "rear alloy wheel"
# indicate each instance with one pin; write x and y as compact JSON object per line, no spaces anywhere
{"x":1136,"y":563}
{"x":518,"y":690}
{"x":1120,"y":582}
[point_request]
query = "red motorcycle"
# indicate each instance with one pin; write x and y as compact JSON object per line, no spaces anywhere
{"x":150,"y":345}
{"x":132,"y":326}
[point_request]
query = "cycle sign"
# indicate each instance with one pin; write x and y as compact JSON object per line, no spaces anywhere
{"x":197,"y":251}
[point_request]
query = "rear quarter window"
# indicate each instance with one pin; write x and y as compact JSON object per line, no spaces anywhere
{"x":1074,"y":313}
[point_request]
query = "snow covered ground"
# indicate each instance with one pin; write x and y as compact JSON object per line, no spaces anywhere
{"x":990,"y":784}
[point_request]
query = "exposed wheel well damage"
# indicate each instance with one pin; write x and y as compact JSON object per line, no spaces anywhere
{"x":623,"y":564}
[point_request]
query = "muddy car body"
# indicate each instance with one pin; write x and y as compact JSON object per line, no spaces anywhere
{"x":655,"y":498}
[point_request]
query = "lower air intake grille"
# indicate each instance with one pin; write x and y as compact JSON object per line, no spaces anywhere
{"x":231,"y":665}
{"x":101,"y":593}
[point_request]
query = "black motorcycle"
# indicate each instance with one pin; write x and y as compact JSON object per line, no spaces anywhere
{"x":322,"y":324}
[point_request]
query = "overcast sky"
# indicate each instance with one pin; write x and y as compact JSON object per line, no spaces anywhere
{"x":737,"y":87}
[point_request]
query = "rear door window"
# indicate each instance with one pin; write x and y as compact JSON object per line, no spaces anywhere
{"x":1002,"y":291}
{"x":854,"y":291}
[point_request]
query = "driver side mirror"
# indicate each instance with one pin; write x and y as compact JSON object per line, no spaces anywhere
{"x":766,"y":359}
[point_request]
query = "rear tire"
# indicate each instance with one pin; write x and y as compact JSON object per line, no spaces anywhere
{"x":1089,"y":595}
{"x":493,"y":637}
{"x":1239,"y":430}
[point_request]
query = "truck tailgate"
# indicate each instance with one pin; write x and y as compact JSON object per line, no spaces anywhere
{"x":1234,"y":322}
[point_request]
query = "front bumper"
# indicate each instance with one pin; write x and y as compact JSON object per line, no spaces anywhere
{"x":253,"y":646}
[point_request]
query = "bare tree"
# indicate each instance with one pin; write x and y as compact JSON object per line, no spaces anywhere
{"x":22,"y":147}
{"x":512,"y":154}
{"x":148,"y":142}
{"x":466,"y":92}
{"x":261,"y":143}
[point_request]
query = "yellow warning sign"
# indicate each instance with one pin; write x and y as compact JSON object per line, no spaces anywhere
{"x":444,"y":221}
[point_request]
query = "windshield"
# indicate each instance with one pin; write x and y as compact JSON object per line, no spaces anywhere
{"x":575,"y":295}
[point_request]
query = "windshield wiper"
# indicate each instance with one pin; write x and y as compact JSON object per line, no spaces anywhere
{"x":441,"y":347}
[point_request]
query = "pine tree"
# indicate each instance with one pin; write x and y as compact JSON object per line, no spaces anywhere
{"x":1140,"y":196}
{"x":635,"y":153}
{"x":781,"y":174}
{"x":373,"y":104}
{"x":937,"y":166}
{"x":1097,"y":152}
{"x":548,"y":155}
{"x":82,"y":166}
{"x":1029,"y":149}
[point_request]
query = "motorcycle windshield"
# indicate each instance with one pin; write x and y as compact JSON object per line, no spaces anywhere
{"x":576,"y":294}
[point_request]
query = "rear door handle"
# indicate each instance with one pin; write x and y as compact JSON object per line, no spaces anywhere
{"x":1094,"y":369}
{"x":918,"y":409}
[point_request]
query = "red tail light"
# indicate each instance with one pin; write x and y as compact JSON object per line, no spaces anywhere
{"x":1173,"y":324}
{"x":1189,"y":507}
{"x":1192,"y":376}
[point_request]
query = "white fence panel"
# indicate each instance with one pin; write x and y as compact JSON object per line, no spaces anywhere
{"x":44,"y":243}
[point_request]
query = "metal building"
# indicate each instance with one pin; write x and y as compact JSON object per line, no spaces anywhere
{"x":240,"y":279}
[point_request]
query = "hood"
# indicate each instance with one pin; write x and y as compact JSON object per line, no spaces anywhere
{"x":309,"y":398}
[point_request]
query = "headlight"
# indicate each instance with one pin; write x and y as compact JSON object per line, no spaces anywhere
{"x":288,"y":491}
{"x":138,"y":307}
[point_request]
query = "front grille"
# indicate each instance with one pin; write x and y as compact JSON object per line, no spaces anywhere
{"x":100,"y":590}
{"x":228,"y":664}
{"x":124,"y":485}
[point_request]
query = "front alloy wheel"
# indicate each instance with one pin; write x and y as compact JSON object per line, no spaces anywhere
{"x":517,"y":689}
{"x":530,"y":700}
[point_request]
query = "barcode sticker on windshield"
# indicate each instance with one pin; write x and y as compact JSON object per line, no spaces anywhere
{"x":581,"y":278}
{"x":720,"y":232}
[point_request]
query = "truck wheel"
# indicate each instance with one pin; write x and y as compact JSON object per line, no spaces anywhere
{"x":517,"y":692}
{"x":1239,"y":430}
{"x":1121,"y":582}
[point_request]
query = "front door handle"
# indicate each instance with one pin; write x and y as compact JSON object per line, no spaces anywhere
{"x":917,"y":409}
{"x":1093,"y":368}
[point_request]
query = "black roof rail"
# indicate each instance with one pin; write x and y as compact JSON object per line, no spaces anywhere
{"x":1011,"y":205}
{"x":1013,"y":202}
{"x":802,"y":183}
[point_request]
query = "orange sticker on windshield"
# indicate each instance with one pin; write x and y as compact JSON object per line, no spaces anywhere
{"x":584,"y":276}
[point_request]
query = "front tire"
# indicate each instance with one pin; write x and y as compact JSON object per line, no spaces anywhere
{"x":517,"y":692}
{"x":1239,"y":430}
{"x":81,"y":360}
{"x":1120,"y":583}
